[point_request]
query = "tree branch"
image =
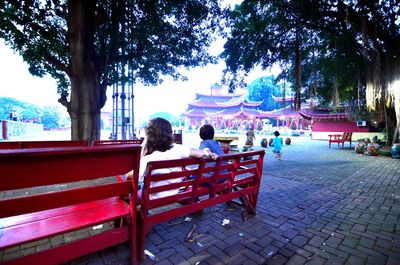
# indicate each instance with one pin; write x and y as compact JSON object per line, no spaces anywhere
{"x":63,"y":100}
{"x":55,"y":62}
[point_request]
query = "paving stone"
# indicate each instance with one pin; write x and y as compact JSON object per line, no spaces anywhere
{"x":316,"y":260}
{"x":354,"y":260}
{"x":367,"y":242}
{"x":297,"y":260}
{"x":351,"y":241}
{"x":316,"y":241}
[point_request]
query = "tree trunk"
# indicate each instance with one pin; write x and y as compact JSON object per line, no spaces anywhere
{"x":297,"y":102}
{"x":284,"y":93}
{"x":87,"y":96}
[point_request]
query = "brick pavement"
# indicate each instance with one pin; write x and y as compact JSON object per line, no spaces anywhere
{"x":316,"y":206}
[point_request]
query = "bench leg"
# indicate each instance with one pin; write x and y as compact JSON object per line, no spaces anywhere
{"x":249,"y":204}
{"x":142,"y":231}
{"x":132,"y":243}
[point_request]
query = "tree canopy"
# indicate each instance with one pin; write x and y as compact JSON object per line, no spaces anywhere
{"x":262,"y":89}
{"x":338,"y":51}
{"x":89,"y":45}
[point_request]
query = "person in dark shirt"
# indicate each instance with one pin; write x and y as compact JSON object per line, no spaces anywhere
{"x":207,"y":135}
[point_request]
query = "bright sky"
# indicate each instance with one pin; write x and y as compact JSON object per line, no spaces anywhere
{"x":171,"y":96}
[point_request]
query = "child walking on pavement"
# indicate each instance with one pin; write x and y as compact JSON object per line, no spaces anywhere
{"x":277,"y":144}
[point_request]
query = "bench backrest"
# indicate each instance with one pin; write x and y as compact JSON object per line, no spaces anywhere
{"x":34,"y":167}
{"x":41,"y":144}
{"x":199,"y":178}
{"x":347,"y":136}
{"x":108,"y":142}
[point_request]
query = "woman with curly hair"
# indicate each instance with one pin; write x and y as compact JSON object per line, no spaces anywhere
{"x":158,"y":146}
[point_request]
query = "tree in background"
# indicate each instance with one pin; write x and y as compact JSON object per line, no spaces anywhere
{"x":341,"y":51}
{"x":262,"y":89}
{"x":50,"y":118}
{"x":89,"y":45}
{"x":267,"y":33}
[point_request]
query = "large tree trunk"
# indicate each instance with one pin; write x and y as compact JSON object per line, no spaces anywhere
{"x":297,"y":100}
{"x":87,"y":97}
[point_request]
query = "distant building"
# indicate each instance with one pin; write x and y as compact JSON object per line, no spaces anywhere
{"x":223,"y":110}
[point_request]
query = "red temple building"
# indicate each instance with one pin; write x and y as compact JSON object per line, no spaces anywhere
{"x":223,"y":110}
{"x":324,"y":120}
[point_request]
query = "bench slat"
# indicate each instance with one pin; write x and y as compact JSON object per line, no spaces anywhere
{"x":48,"y":166}
{"x":64,"y":253}
{"x":40,"y":202}
{"x":68,"y":220}
{"x":42,"y":215}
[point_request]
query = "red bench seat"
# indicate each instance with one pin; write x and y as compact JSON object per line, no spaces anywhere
{"x":96,"y":201}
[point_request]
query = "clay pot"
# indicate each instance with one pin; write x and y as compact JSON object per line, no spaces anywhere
{"x":396,"y":151}
{"x":270,"y":142}
{"x":264,"y":143}
{"x":288,"y":141}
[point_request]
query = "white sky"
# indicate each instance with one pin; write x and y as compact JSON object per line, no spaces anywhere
{"x":17,"y":82}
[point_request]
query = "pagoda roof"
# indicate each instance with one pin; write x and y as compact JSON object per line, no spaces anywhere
{"x":217,"y":96}
{"x":198,"y":112}
{"x":283,"y":112}
{"x":280,"y":99}
{"x":209,"y":104}
{"x":239,"y":102}
{"x":224,"y":103}
{"x":236,"y":112}
{"x":324,"y":113}
{"x":241,"y":113}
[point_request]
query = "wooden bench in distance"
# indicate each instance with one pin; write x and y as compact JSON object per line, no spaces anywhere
{"x":340,"y":138}
{"x":203,"y":183}
{"x":35,"y":217}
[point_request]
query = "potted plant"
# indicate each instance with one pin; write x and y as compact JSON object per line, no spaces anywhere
{"x":360,"y":148}
{"x":372,"y":150}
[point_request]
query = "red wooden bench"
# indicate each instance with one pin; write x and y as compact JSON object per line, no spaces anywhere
{"x":204,"y":184}
{"x":340,"y":138}
{"x":99,"y":200}
{"x":40,"y":144}
{"x":108,"y":142}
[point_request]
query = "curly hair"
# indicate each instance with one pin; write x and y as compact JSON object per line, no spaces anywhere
{"x":207,"y":132}
{"x":276,"y":133}
{"x":158,"y":135}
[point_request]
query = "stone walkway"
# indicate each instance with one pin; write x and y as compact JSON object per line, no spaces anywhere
{"x":316,"y":206}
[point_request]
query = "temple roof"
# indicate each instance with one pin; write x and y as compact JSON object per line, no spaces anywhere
{"x":217,"y":104}
{"x":241,"y":113}
{"x":280,"y":99}
{"x":324,"y":113}
{"x":234,"y":112}
{"x":284,"y":112}
{"x":221,"y":97}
